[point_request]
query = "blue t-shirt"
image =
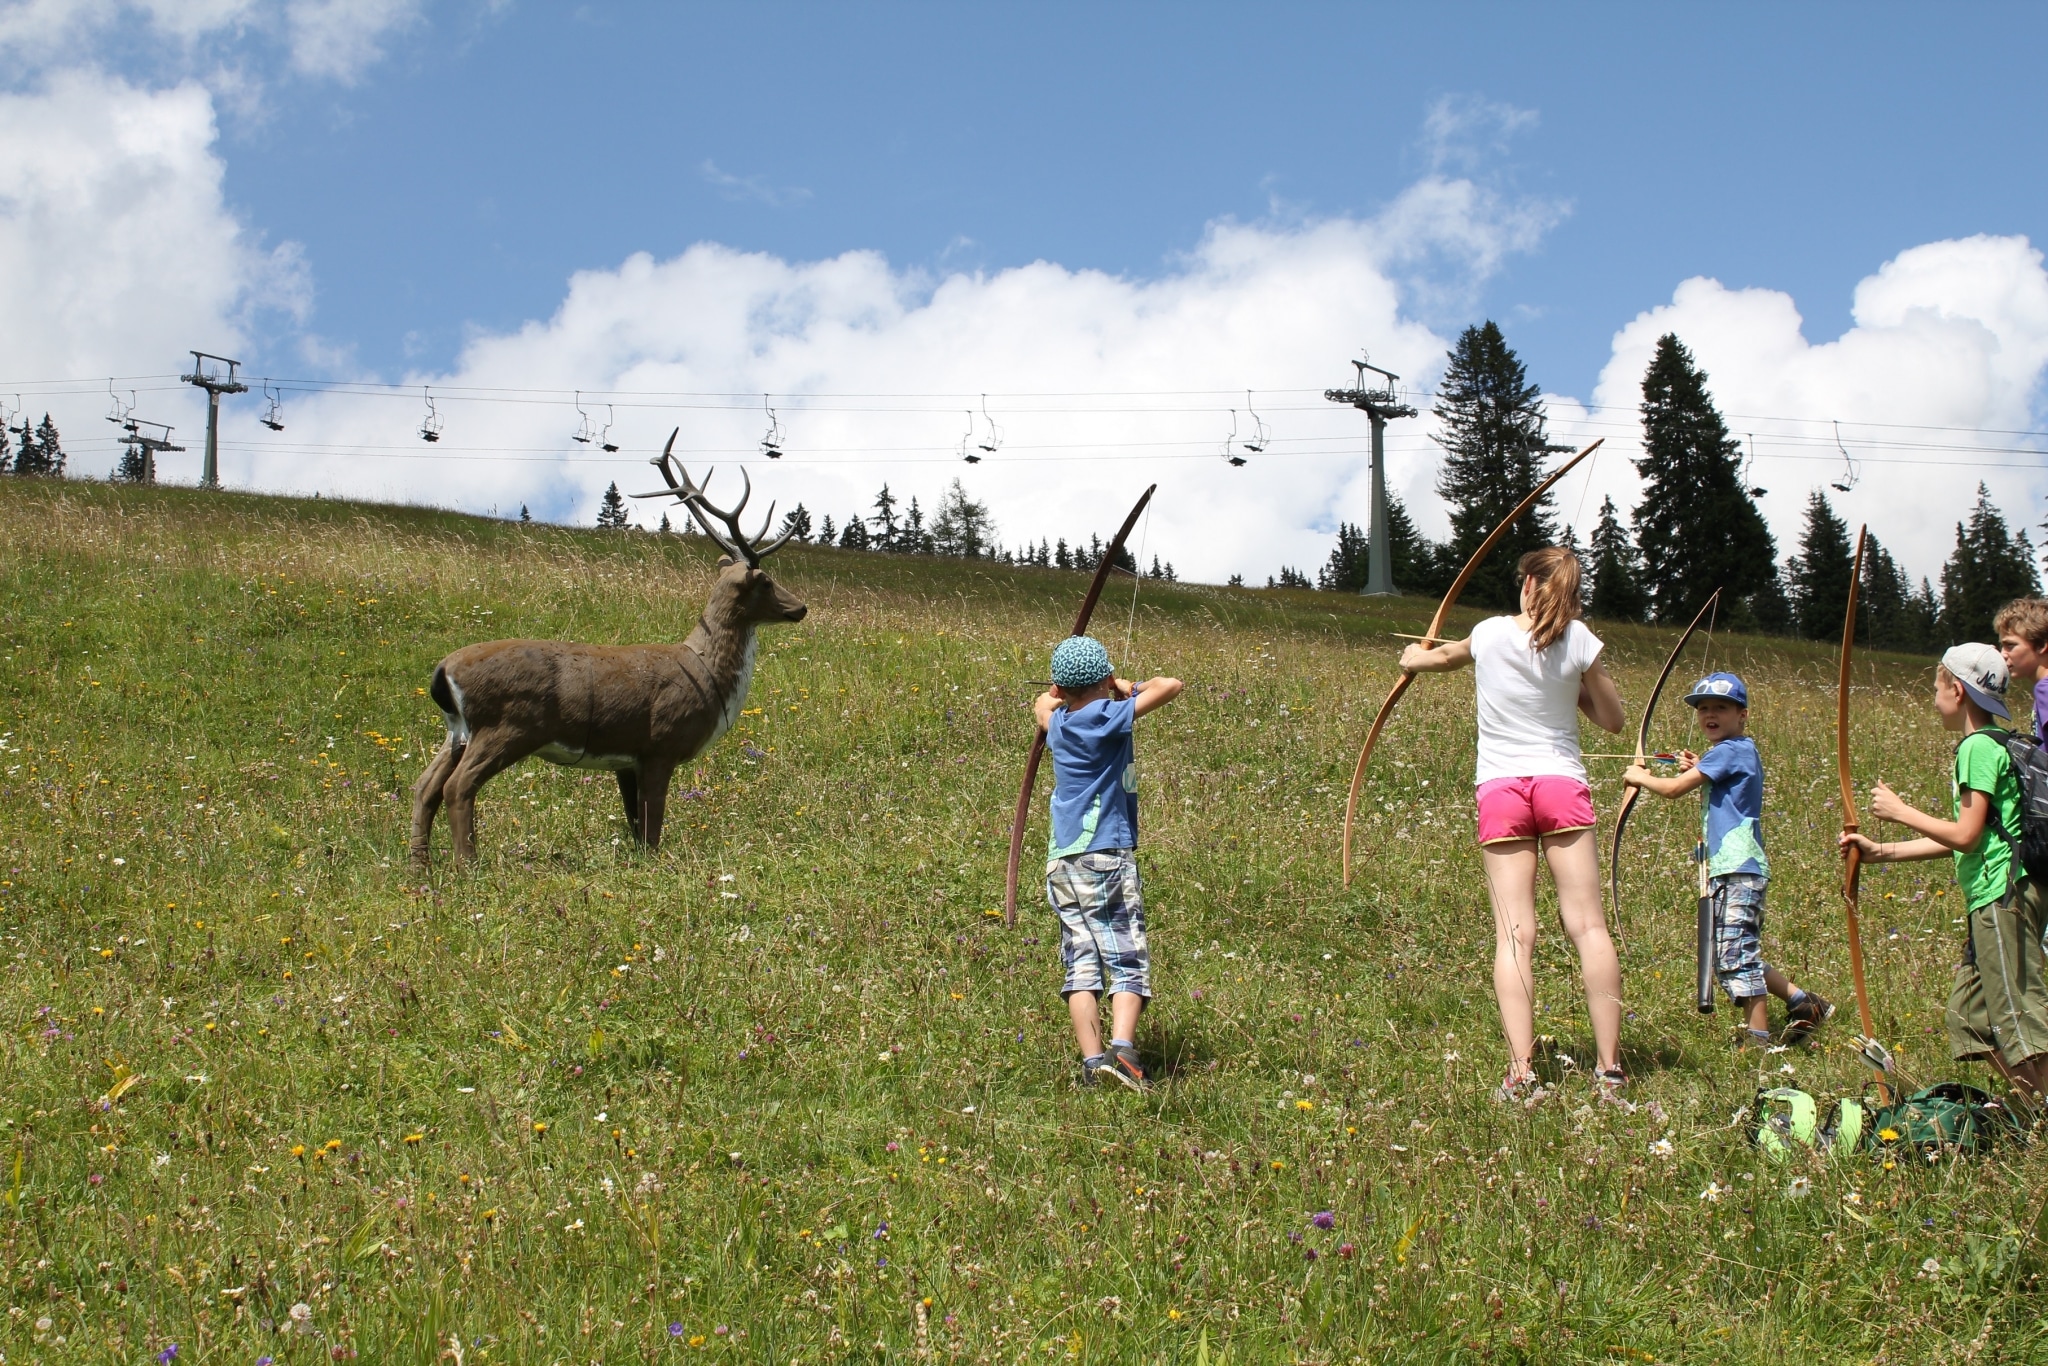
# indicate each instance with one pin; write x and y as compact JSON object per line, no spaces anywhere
{"x":1095,"y":779}
{"x":1735,"y":808}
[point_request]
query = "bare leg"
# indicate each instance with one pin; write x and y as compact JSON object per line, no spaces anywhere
{"x":1511,"y":886}
{"x":654,"y":780}
{"x":1124,"y":1009}
{"x":1575,"y":868}
{"x":426,"y":797}
{"x":629,"y":793}
{"x":483,"y":760}
{"x":1084,"y":1008}
{"x":1756,"y":1013}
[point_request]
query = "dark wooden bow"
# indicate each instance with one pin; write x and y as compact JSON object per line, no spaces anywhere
{"x":1852,"y":856}
{"x":1628,"y":801}
{"x":1023,"y":814}
{"x":1436,"y":626}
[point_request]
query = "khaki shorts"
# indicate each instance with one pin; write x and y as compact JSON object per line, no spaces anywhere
{"x":2000,"y":1001}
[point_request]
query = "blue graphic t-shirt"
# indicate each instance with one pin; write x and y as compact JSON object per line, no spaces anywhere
{"x":1735,"y":808}
{"x":1095,"y":779}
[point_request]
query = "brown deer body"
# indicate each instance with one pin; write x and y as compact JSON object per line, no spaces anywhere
{"x":634,"y":710}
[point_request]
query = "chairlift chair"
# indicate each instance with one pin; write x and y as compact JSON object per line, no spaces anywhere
{"x":585,"y":431}
{"x":1850,"y":473}
{"x":1230,"y":441}
{"x":1257,"y":441}
{"x":119,"y":414}
{"x":1749,"y":463}
{"x":995,"y":433}
{"x":772,"y":441}
{"x":274,"y":419}
{"x":967,"y":450}
{"x":604,"y":440}
{"x":430,"y":426}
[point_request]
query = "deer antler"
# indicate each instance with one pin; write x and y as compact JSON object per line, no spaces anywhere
{"x":695,"y":497}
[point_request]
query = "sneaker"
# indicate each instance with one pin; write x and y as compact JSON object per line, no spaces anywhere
{"x":1518,"y":1087}
{"x":1091,"y":1072}
{"x":1810,"y":1014}
{"x":1124,"y":1065}
{"x":1612,"y":1081}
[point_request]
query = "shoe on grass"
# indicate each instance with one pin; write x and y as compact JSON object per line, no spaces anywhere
{"x":1091,"y":1071}
{"x":1123,"y":1064}
{"x":1612,"y":1083}
{"x":1810,"y":1014}
{"x":1518,"y":1087}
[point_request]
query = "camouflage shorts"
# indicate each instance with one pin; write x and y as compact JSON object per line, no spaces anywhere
{"x":1739,"y":933}
{"x":1102,"y":922}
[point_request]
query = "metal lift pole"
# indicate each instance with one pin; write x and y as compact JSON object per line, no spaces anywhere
{"x":215,"y":385}
{"x":1378,"y":405}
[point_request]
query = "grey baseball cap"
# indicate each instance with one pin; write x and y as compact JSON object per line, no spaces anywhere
{"x":1981,"y":670}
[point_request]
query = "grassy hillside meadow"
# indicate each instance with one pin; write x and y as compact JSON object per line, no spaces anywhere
{"x":789,"y":1089}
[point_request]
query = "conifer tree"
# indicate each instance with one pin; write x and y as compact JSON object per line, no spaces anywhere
{"x":1345,"y":570}
{"x":133,"y":466}
{"x":1767,"y":608}
{"x":1617,"y":592}
{"x":827,"y":535}
{"x":1696,"y":528}
{"x":963,"y":526}
{"x":1888,"y":611}
{"x":1817,"y":578}
{"x":611,"y":510}
{"x":1494,"y":448}
{"x":797,"y":522}
{"x":1289,"y":578}
{"x":1419,"y":564}
{"x":914,"y":539}
{"x":1236,"y":581}
{"x":50,"y":451}
{"x":886,"y":531}
{"x":524,"y":515}
{"x":854,"y":535}
{"x":665,"y":529}
{"x":1063,"y":557}
{"x":1990,"y":567}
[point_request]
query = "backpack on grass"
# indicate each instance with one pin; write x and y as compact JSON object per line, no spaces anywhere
{"x":2030,"y":842}
{"x":1940,"y":1117}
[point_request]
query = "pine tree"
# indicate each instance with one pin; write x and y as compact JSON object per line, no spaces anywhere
{"x":1768,"y":609}
{"x":1886,"y":603}
{"x":915,"y":540}
{"x":51,"y":451}
{"x":1345,"y":570}
{"x":1696,"y":529}
{"x":1062,"y":557}
{"x":1419,"y":564}
{"x":1171,"y":577}
{"x":886,"y":531}
{"x":797,"y":522}
{"x":526,"y":516}
{"x":1236,"y":581}
{"x":665,"y":529}
{"x":1494,"y":448}
{"x":1155,"y":572}
{"x":1989,"y":568}
{"x":963,"y":526}
{"x":611,"y":510}
{"x":1617,"y":593}
{"x":1290,"y":578}
{"x":854,"y":535}
{"x":133,"y":466}
{"x":826,"y":534}
{"x":1817,"y":578}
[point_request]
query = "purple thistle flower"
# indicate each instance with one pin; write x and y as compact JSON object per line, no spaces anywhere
{"x":1324,"y":1219}
{"x":167,"y":1355}
{"x":675,"y":1330}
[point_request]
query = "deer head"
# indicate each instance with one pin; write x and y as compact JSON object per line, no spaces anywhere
{"x":744,"y":588}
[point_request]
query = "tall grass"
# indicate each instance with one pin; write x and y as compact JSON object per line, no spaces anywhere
{"x":789,"y":1090}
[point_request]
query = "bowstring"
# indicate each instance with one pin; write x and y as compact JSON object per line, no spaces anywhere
{"x":1137,"y":578}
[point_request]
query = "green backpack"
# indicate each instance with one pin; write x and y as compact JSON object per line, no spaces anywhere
{"x":1950,"y":1115}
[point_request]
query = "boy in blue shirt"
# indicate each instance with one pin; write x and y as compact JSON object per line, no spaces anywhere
{"x":1091,"y":869}
{"x":1738,"y":873}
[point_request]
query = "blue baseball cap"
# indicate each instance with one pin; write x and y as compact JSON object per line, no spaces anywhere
{"x":1718,"y":687}
{"x":1080,"y":662}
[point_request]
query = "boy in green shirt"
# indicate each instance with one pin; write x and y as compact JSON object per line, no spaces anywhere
{"x":1998,"y":1007}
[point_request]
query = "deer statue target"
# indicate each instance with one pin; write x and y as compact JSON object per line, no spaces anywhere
{"x":636,"y":711}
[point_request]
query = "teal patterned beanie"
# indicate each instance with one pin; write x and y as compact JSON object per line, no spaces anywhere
{"x":1080,"y":662}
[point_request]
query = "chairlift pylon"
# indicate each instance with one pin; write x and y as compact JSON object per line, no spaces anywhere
{"x":995,"y":433}
{"x":967,"y":450}
{"x":274,"y":419}
{"x":585,"y":431}
{"x":1230,"y":441}
{"x":430,"y":426}
{"x":604,"y":440}
{"x":1851,"y":475}
{"x":1255,"y":443}
{"x":772,"y":441}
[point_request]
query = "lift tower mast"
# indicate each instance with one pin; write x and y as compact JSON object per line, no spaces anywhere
{"x":1378,"y":404}
{"x":215,"y":384}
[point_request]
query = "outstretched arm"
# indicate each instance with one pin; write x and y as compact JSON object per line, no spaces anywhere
{"x":1436,"y":659}
{"x":1152,"y":694}
{"x":1937,"y":836}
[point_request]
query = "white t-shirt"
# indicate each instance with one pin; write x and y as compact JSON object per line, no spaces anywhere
{"x":1529,"y":700}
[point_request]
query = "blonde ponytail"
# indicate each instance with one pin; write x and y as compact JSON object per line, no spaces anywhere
{"x":1556,"y":573}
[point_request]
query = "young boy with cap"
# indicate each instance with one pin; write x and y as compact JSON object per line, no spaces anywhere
{"x":1738,"y":873}
{"x":1091,"y":869}
{"x":2022,"y":627}
{"x":1998,"y":1007}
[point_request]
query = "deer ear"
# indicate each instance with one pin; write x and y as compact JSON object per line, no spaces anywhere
{"x":726,"y":562}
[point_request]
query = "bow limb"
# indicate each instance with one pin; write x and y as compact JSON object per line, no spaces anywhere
{"x":1628,"y":803}
{"x":1022,"y":815}
{"x":1435,"y":636}
{"x":1852,"y":860}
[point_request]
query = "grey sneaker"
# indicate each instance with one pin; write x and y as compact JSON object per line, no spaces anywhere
{"x":1091,"y":1071}
{"x":1125,"y":1067}
{"x":1810,"y":1014}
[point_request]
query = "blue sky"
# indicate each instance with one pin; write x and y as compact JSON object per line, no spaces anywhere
{"x":512,"y":202}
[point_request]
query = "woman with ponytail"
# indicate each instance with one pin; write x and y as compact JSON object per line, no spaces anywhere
{"x":1534,"y":673}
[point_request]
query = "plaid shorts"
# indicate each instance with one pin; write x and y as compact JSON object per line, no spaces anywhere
{"x":1739,"y":933}
{"x":1102,"y":921}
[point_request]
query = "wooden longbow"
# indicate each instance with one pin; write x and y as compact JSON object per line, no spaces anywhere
{"x":1628,"y":801}
{"x":1852,"y":856}
{"x":1436,"y":626}
{"x":1023,"y":813}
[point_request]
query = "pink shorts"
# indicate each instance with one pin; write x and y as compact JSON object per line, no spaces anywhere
{"x":1525,"y":808}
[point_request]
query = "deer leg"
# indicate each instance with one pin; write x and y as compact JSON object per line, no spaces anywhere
{"x":654,"y":780}
{"x":483,"y":760}
{"x":426,"y":797}
{"x":629,"y":793}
